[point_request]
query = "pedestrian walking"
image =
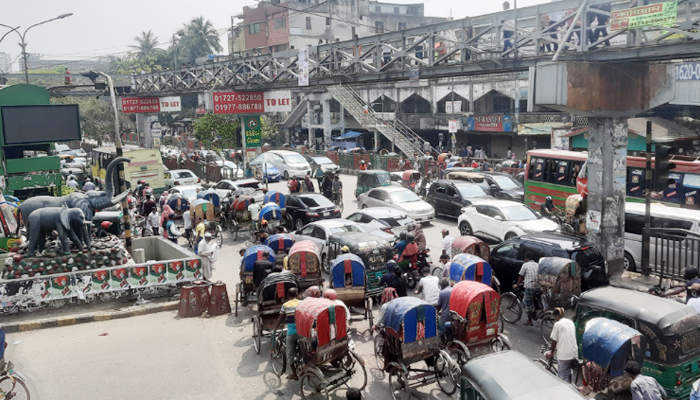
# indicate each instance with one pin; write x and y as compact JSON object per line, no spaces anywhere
{"x":447,"y":240}
{"x":152,"y":221}
{"x":643,"y":387}
{"x":563,"y":344}
{"x":318,"y":174}
{"x":308,"y":184}
{"x":187,"y":220}
{"x":528,"y":276}
{"x":88,"y":186}
{"x":208,"y":252}
{"x":72,"y":182}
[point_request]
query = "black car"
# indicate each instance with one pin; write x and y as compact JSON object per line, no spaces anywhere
{"x":507,"y":258}
{"x":305,"y":208}
{"x":449,"y":196}
{"x":504,"y":186}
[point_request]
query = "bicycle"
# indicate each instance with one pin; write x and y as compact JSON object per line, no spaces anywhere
{"x":278,"y":354}
{"x":551,"y":364}
{"x":512,"y":310}
{"x":338,"y":199}
{"x":12,"y":387}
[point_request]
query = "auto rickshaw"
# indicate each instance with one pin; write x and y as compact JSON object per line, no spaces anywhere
{"x":246,"y":287}
{"x":347,"y":277}
{"x":304,"y":261}
{"x":475,"y":320}
{"x":511,"y":375}
{"x":468,"y":267}
{"x":410,"y":336}
{"x":108,"y":222}
{"x":607,"y":346}
{"x":271,"y":295}
{"x":471,"y":245}
{"x":410,"y":178}
{"x":672,"y":330}
{"x":370,"y":179}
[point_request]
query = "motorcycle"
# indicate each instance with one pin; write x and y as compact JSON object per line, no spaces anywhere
{"x":412,"y":273}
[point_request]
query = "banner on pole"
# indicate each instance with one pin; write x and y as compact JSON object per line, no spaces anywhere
{"x":252,"y":131}
{"x":303,"y":66}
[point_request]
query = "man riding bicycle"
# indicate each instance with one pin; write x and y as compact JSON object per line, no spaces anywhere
{"x":337,"y":187}
{"x":287,"y":315}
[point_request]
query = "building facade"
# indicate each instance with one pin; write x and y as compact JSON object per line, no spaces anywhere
{"x":279,"y":26}
{"x":5,"y":63}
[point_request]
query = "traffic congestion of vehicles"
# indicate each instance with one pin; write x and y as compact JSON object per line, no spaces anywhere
{"x":455,"y":332}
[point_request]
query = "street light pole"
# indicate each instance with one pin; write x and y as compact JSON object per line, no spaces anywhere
{"x":23,"y":43}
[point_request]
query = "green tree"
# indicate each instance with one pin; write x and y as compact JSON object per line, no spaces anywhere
{"x":146,"y":45}
{"x":217,"y":131}
{"x":270,"y":132}
{"x":198,"y":39}
{"x":96,"y":117}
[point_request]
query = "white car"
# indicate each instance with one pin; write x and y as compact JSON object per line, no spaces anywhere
{"x":398,"y":198}
{"x":384,"y":222}
{"x":320,"y":232}
{"x":225,"y":186}
{"x":288,"y":163}
{"x":501,"y":220}
{"x":177,"y":177}
{"x":326,"y":164}
{"x":236,"y":172}
{"x":189,"y":192}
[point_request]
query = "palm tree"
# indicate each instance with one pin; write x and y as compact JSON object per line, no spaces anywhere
{"x":146,"y":45}
{"x":198,"y":39}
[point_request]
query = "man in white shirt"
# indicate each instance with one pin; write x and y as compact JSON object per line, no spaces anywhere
{"x":563,"y":343}
{"x":447,"y":240}
{"x":73,"y":183}
{"x":254,"y":210}
{"x":207,"y":251}
{"x":694,"y":300}
{"x":429,"y":286}
{"x":528,"y":276}
{"x":187,"y":219}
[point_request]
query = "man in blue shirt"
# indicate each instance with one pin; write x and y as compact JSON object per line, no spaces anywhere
{"x":287,"y":315}
{"x":443,"y":305}
{"x":401,"y":245}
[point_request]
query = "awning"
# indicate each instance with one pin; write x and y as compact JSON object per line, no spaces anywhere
{"x":349,"y":135}
{"x":662,"y":130}
{"x":542,"y":128}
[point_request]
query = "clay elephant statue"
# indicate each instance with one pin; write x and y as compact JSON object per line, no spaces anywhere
{"x":86,"y":202}
{"x":68,"y":222}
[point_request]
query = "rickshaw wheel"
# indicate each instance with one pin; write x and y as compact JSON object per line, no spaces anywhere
{"x":437,"y":271}
{"x":313,"y":386}
{"x":446,"y":373}
{"x":398,"y":384}
{"x":511,"y":308}
{"x":358,"y":379}
{"x":278,"y":360}
{"x":257,"y":333}
{"x":368,"y":313}
{"x":498,"y":344}
{"x":378,"y":350}
{"x":546,"y":326}
{"x":459,"y":352}
{"x":238,"y":299}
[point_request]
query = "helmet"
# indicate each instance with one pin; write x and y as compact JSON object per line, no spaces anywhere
{"x":106,"y":224}
{"x":263,"y":222}
{"x":362,"y":161}
{"x":345,"y":249}
{"x":548,"y":199}
{"x":410,"y":237}
{"x":330,"y":294}
{"x":312,"y":291}
{"x":391,"y":264}
{"x":402,"y":235}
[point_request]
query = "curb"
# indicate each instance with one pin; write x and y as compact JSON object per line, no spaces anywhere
{"x":82,"y":319}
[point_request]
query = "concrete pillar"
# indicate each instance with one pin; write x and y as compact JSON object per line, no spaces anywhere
{"x":607,"y":170}
{"x":327,"y":129}
{"x":377,"y":140}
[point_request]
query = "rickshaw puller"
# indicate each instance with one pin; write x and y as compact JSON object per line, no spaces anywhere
{"x":287,"y":315}
{"x":528,"y":275}
{"x":564,"y":344}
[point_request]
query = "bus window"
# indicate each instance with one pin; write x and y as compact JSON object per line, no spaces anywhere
{"x":551,"y":171}
{"x":674,"y":191}
{"x":635,"y":182}
{"x":691,"y":190}
{"x":575,"y":169}
{"x":562,"y":172}
{"x":539,"y":169}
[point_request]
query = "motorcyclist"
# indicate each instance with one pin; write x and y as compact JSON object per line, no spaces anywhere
{"x":401,"y":244}
{"x":417,"y":231}
{"x":547,"y":207}
{"x":410,"y":253}
{"x":393,"y":279}
{"x":363,"y":166}
{"x":424,"y":184}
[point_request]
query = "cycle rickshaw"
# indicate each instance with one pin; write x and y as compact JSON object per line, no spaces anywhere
{"x":278,"y":198}
{"x":178,"y":203}
{"x":246,"y":287}
{"x":205,"y":211}
{"x":271,"y":295}
{"x":325,"y":362}
{"x":238,"y":213}
{"x":280,"y":243}
{"x":347,"y":277}
{"x":211,"y":197}
{"x":410,"y":178}
{"x":607,"y":346}
{"x":468,"y":267}
{"x":272,"y":213}
{"x":470,"y":245}
{"x":410,"y":331}
{"x":475,"y":320}
{"x":304,"y":261}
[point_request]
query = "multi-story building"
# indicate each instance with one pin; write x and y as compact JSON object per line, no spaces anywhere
{"x":5,"y":63}
{"x":280,"y":26}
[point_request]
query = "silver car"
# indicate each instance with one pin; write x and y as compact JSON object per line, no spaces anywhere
{"x":385,"y":222}
{"x":320,"y":232}
{"x":399,"y":198}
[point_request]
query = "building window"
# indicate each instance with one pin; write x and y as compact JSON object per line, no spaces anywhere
{"x":415,"y":105}
{"x":396,"y":10}
{"x":328,"y":21}
{"x":379,"y":27}
{"x":501,"y":104}
{"x":280,"y":23}
{"x":308,"y":23}
{"x":384,"y":104}
{"x":377,"y":9}
{"x":402,"y":26}
{"x":411,"y":11}
{"x":254,"y":28}
{"x":352,"y":4}
{"x":457,"y":104}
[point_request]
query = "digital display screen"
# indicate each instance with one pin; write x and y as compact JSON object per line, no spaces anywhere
{"x":40,"y":124}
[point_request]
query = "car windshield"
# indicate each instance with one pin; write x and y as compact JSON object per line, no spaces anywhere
{"x":404,"y":196}
{"x":316,"y":202}
{"x":322,"y":160}
{"x":588,"y":256}
{"x":384,"y":179}
{"x":506,"y":182}
{"x":396,"y":221}
{"x":518,"y":213}
{"x":346,"y":228}
{"x":254,"y":185}
{"x":189,"y":193}
{"x":185,"y":174}
{"x":295,"y":158}
{"x":468,"y":191}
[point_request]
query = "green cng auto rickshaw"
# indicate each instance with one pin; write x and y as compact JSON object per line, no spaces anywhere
{"x":370,"y":179}
{"x":671,"y":329}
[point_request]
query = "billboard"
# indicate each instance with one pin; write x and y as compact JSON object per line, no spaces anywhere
{"x":40,"y":124}
{"x":490,"y":123}
{"x":661,"y":14}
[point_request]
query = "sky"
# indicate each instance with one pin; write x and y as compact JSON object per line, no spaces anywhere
{"x":101,"y":27}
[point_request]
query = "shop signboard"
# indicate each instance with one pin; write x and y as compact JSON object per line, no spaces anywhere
{"x":252,"y":132}
{"x":490,"y":123}
{"x":660,"y":14}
